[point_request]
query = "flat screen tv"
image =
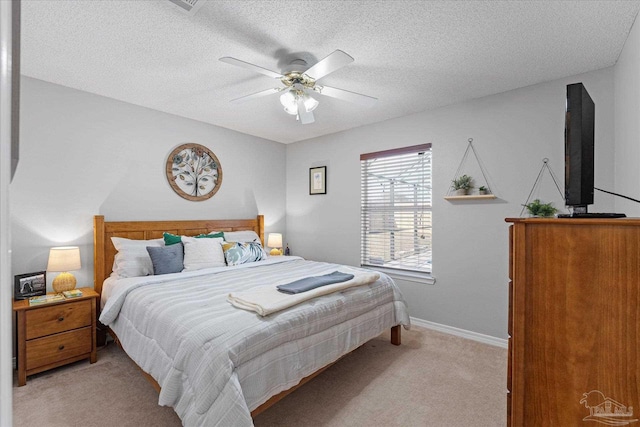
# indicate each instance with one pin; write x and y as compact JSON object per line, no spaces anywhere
{"x":578,"y":148}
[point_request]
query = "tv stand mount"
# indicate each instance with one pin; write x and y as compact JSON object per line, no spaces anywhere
{"x":592,"y":215}
{"x":581,"y":211}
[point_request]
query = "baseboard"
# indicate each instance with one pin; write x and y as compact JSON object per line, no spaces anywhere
{"x":475,"y":336}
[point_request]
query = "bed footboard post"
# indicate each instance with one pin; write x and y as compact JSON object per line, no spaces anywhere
{"x":396,"y":335}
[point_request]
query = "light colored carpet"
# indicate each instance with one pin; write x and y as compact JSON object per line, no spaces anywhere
{"x":432,"y":379}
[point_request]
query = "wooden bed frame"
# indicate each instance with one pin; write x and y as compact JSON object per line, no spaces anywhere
{"x":104,"y":253}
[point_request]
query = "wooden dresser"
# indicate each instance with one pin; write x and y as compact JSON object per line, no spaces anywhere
{"x":55,"y":334}
{"x":574,"y":322}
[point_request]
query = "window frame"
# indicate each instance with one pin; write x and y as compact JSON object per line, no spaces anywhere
{"x":402,"y":272}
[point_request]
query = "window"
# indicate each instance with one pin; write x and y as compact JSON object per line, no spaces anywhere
{"x":396,"y":209}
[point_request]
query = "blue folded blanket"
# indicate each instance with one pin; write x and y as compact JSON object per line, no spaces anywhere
{"x":309,"y":283}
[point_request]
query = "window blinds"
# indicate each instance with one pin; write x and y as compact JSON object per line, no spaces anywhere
{"x":396,"y":208}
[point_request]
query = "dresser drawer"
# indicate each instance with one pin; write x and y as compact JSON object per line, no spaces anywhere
{"x":52,"y":349}
{"x":58,"y":318}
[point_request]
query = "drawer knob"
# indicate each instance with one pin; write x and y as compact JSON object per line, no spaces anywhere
{"x":61,"y":347}
{"x":60,"y":319}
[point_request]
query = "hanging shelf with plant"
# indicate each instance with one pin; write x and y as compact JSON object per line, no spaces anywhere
{"x":462,"y":186}
{"x":537,"y":208}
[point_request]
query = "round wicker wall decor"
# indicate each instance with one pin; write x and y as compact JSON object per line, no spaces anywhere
{"x":194,"y":172}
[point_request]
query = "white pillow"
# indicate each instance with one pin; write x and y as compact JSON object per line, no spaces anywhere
{"x":202,"y":253}
{"x":243,"y":236}
{"x":132,"y":259}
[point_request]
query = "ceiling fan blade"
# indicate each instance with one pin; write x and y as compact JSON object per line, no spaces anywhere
{"x":335,"y":60}
{"x":306,"y":117}
{"x":256,"y":68}
{"x":255,"y":95}
{"x":356,"y":98}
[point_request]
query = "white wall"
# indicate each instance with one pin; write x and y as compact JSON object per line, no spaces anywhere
{"x":512,"y":131}
{"x":627,"y":124}
{"x":83,"y":155}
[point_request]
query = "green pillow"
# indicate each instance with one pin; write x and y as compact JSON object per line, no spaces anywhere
{"x":172,"y":239}
{"x":211,"y":236}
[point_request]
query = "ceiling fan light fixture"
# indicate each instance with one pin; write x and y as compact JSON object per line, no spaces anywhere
{"x":310,"y":103}
{"x":289,"y":102}
{"x":299,"y":81}
{"x":291,"y":110}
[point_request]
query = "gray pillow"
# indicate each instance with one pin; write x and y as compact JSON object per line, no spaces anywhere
{"x":166,"y":259}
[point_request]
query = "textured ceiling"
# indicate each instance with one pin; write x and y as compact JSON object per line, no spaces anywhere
{"x":411,"y":55}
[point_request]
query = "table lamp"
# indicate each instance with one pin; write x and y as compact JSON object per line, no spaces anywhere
{"x":64,"y":259}
{"x":275,"y":241}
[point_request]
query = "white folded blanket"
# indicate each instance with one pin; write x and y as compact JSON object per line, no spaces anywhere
{"x":265,"y":300}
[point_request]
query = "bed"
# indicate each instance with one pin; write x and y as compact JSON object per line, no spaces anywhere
{"x":217,"y":364}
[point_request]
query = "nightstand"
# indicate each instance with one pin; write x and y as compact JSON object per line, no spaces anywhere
{"x":55,"y":334}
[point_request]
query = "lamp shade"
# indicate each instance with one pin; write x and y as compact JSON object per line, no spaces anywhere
{"x":289,"y":102}
{"x":64,"y":258}
{"x":274,"y":240}
{"x":310,"y":103}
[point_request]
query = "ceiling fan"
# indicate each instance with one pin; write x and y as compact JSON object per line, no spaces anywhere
{"x":300,"y":80}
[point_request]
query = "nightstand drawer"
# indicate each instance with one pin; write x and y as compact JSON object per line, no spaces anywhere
{"x":58,"y":318}
{"x":43,"y":351}
{"x":55,"y":334}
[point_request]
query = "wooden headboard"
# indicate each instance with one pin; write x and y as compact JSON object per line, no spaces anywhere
{"x":104,"y":251}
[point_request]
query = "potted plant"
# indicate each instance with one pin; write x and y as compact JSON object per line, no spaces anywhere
{"x":539,"y":209}
{"x":483,"y":190}
{"x":462,"y":185}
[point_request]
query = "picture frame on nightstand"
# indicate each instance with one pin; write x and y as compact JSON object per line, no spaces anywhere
{"x":30,"y":285}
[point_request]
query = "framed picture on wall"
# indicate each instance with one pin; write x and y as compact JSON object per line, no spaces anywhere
{"x":318,"y":180}
{"x":30,"y":285}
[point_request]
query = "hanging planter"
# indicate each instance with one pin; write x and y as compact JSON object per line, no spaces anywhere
{"x":462,"y":185}
{"x":536,"y":208}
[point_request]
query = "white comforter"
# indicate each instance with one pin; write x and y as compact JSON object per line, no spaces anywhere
{"x":216,"y":363}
